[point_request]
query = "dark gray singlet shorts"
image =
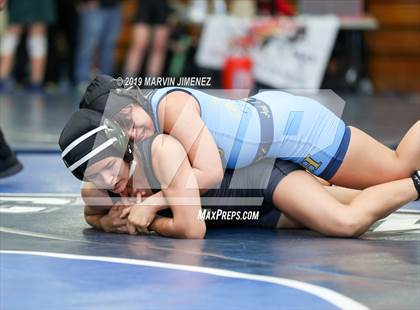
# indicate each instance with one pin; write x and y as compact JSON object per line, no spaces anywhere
{"x":257,"y":180}
{"x":255,"y":183}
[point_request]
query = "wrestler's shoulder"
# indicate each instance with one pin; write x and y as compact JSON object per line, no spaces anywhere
{"x":165,"y":146}
{"x":168,"y":156}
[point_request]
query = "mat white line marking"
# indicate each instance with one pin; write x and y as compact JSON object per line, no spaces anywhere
{"x":328,"y":295}
{"x":20,"y":209}
{"x":54,"y":237}
{"x":38,"y":200}
{"x":409,"y":211}
{"x":37,"y":235}
{"x":46,"y":195}
{"x":399,"y":222}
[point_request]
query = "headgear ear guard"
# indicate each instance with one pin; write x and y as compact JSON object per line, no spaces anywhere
{"x":122,"y":143}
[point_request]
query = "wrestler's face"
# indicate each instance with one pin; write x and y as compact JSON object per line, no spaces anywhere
{"x":138,"y":124}
{"x":111,"y":173}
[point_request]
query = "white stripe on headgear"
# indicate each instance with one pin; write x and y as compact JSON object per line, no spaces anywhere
{"x":81,"y":139}
{"x":91,"y":154}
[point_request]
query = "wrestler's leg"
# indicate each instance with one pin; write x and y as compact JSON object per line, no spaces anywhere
{"x":158,"y":50}
{"x":8,"y":45}
{"x":37,"y":50}
{"x":321,"y":211}
{"x":140,"y":42}
{"x":368,"y":162}
{"x":342,"y":194}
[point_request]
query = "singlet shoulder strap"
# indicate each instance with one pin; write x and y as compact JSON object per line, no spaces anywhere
{"x":145,"y":149}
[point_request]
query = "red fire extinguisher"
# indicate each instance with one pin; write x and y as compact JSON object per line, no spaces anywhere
{"x":237,"y":69}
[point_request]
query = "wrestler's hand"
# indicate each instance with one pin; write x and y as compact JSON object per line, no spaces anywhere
{"x":139,"y":218}
{"x":112,"y":222}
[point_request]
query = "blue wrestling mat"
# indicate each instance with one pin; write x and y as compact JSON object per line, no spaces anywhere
{"x":135,"y":284}
{"x":50,"y":258}
{"x":43,"y":173}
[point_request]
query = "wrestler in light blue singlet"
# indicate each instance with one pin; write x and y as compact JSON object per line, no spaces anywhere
{"x":270,"y":124}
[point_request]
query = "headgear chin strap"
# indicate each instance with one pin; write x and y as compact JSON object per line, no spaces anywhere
{"x":132,"y":168}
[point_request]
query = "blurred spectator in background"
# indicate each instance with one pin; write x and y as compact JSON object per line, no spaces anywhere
{"x":179,"y":44}
{"x":2,"y":16}
{"x":62,"y":44}
{"x":9,"y":164}
{"x":33,"y":15}
{"x":150,"y":20}
{"x":99,"y":26}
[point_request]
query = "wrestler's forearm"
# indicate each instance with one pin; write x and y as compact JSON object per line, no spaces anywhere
{"x":94,"y":214}
{"x":165,"y":227}
{"x":95,"y":221}
{"x":180,"y":189}
{"x":156,"y":202}
{"x":168,"y":228}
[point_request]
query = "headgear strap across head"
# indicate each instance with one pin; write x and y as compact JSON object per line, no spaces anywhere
{"x":88,"y":138}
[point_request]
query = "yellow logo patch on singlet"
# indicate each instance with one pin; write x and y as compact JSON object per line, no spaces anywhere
{"x":310,"y":164}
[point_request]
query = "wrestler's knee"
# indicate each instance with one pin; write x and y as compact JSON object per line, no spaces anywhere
{"x":8,"y":44}
{"x":37,"y":46}
{"x":348,"y":224}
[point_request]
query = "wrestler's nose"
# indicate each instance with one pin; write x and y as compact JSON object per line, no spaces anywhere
{"x":108,"y":179}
